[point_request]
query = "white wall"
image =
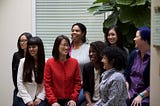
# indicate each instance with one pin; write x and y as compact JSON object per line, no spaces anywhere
{"x":15,"y":18}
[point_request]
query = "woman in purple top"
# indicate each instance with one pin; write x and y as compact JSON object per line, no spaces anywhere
{"x":137,"y":74}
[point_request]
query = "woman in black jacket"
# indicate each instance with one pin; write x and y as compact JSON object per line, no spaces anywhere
{"x":92,"y":72}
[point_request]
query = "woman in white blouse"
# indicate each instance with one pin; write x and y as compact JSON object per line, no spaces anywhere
{"x":30,"y":75}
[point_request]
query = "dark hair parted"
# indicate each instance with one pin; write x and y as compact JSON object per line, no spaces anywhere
{"x":83,"y":29}
{"x":116,"y":57}
{"x":98,"y":46}
{"x":29,"y":64}
{"x":119,"y":42}
{"x":55,"y":50}
{"x":28,"y":36}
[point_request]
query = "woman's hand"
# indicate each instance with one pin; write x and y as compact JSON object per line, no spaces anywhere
{"x":137,"y":101}
{"x":71,"y":103}
{"x":89,"y":104}
{"x":56,"y":104}
{"x":30,"y":103}
{"x":37,"y":101}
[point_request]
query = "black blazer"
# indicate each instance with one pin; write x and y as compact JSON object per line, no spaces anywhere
{"x":88,"y":78}
{"x":15,"y":63}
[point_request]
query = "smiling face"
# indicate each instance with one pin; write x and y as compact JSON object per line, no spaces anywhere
{"x":64,"y":48}
{"x":139,"y":42}
{"x":93,"y":55}
{"x":76,"y":33}
{"x":112,"y":37}
{"x":33,"y":50}
{"x":106,"y":64}
{"x":23,"y":42}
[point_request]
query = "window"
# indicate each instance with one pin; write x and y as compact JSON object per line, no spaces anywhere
{"x":55,"y":17}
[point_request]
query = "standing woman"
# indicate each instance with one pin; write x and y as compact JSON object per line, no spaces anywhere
{"x":22,"y":48}
{"x":79,"y":49}
{"x":113,"y":90}
{"x":62,"y":75}
{"x":92,"y":72}
{"x":30,"y":75}
{"x":114,"y":37}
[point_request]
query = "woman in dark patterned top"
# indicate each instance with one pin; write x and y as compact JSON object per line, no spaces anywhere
{"x":113,"y":90}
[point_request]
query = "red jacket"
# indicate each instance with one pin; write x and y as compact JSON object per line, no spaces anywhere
{"x":62,"y":80}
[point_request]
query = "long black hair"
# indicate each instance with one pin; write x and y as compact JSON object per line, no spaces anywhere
{"x":29,"y":63}
{"x":28,"y":36}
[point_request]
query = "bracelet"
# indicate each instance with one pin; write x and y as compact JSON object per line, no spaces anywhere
{"x":142,"y":95}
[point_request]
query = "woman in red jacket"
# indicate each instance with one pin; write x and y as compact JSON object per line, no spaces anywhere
{"x":62,"y":75}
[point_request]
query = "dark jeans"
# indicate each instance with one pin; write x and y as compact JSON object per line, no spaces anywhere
{"x":81,"y":97}
{"x":129,"y":102}
{"x":15,"y":98}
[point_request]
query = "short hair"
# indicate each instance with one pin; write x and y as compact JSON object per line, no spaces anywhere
{"x":145,"y":33}
{"x":83,"y":29}
{"x":55,"y":50}
{"x":115,"y":55}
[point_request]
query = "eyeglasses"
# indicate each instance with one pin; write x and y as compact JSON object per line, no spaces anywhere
{"x":22,"y":41}
{"x":65,"y":45}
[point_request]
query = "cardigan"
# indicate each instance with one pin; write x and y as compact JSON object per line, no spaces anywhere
{"x":146,"y":73}
{"x":62,"y":80}
{"x":28,"y":91}
{"x":15,"y":62}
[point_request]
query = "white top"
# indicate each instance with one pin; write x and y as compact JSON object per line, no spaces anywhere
{"x":28,"y":90}
{"x":82,"y":55}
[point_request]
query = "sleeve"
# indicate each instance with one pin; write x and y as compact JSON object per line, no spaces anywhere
{"x":15,"y":62}
{"x":48,"y":84}
{"x":85,"y":78}
{"x":41,"y":94}
{"x":77,"y":82}
{"x":22,"y":90}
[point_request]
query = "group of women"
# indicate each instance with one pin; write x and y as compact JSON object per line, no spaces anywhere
{"x":78,"y":73}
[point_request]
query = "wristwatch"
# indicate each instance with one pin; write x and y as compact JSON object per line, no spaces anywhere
{"x":141,"y":94}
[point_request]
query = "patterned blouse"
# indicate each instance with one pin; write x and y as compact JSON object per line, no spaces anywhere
{"x":113,"y":90}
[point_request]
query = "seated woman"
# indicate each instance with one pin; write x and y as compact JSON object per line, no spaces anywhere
{"x":62,"y":75}
{"x":92,"y":72}
{"x":113,"y":90}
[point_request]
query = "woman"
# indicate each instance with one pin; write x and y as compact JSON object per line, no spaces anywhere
{"x":62,"y":75}
{"x":79,"y":49}
{"x":114,"y":37}
{"x":113,"y":90}
{"x":22,"y":48}
{"x":92,"y":72}
{"x":138,"y":72}
{"x":30,"y":75}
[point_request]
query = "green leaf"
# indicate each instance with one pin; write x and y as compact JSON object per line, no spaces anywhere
{"x":93,"y":8}
{"x":137,"y":15}
{"x":101,"y":1}
{"x":139,"y":2}
{"x":111,"y":20}
{"x":124,"y":2}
